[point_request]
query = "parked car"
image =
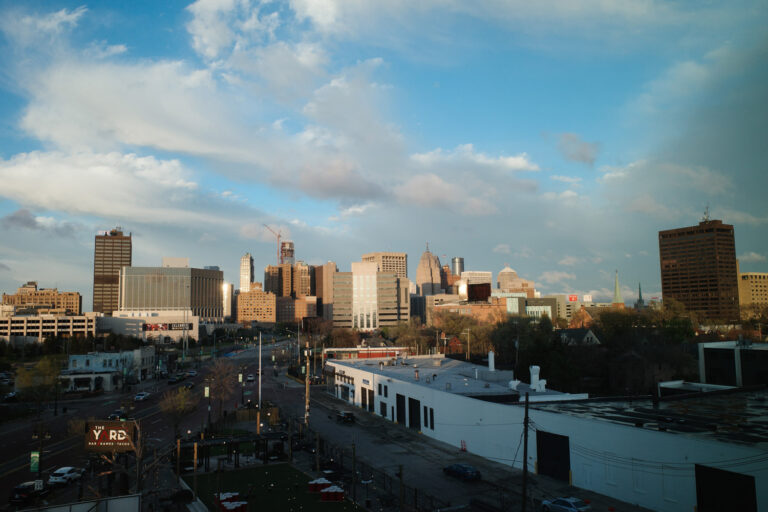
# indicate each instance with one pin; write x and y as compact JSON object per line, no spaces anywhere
{"x":25,"y":493}
{"x":141,"y":396}
{"x":119,"y":414}
{"x":462,"y":471}
{"x":565,"y":505}
{"x":345,"y":417}
{"x":65,"y":475}
{"x":189,"y":385}
{"x":250,"y":378}
{"x":192,"y":373}
{"x":13,"y":396}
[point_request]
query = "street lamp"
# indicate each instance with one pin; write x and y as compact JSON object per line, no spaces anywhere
{"x":39,"y":434}
{"x":207,"y":394}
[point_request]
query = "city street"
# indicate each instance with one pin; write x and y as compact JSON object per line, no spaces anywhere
{"x":379,"y":444}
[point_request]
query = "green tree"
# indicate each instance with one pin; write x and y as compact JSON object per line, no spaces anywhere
{"x":178,"y":403}
{"x":38,"y":383}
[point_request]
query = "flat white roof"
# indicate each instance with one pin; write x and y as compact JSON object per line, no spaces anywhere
{"x":449,"y":375}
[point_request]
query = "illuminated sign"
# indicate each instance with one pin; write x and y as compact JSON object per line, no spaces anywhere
{"x":109,"y":436}
{"x":573,"y":298}
{"x":587,"y":298}
{"x":167,"y":327}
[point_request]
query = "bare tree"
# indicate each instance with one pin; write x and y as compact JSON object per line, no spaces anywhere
{"x":177,"y":403}
{"x":223,"y":381}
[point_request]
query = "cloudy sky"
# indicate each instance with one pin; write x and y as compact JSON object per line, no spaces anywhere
{"x":554,"y":136}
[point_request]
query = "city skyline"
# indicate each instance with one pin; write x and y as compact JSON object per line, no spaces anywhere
{"x":557,"y":142}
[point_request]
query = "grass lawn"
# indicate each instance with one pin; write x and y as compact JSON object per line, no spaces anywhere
{"x":273,"y":487}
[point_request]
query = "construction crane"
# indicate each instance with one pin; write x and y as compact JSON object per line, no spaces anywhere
{"x":279,"y":235}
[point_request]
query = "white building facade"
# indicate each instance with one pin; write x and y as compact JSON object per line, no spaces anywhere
{"x":652,"y":465}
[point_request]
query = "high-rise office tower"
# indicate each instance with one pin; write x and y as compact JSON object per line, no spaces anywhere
{"x":367,"y":299}
{"x":112,"y":251}
{"x":394,"y":262}
{"x":324,"y":275}
{"x":246,"y":272}
{"x":428,"y":274}
{"x":698,"y":268}
{"x":457,"y":265}
{"x":287,"y":252}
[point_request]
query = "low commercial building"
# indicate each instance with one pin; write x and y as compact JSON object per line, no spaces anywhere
{"x":753,"y":294}
{"x":108,"y":371}
{"x":42,"y":300}
{"x":156,"y":326}
{"x":733,"y":363}
{"x":173,"y":288}
{"x":705,"y":450}
{"x":39,"y":327}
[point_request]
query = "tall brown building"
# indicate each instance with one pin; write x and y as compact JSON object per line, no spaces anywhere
{"x":112,"y":251}
{"x":290,"y":279}
{"x":698,"y":268}
{"x":45,"y":300}
{"x":324,"y":289}
{"x":256,"y":306}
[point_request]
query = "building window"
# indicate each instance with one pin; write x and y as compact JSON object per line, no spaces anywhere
{"x":87,"y":362}
{"x":379,"y":389}
{"x":426,"y":418}
{"x":431,"y":418}
{"x":386,"y":391}
{"x":74,"y":363}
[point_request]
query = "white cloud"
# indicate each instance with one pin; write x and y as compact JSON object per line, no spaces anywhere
{"x":555,"y":276}
{"x":109,"y":186}
{"x":29,"y":29}
{"x":502,"y":249}
{"x":427,"y":190}
{"x":752,"y":257}
{"x":571,"y":180}
{"x":465,"y":154}
{"x":570,"y":261}
{"x":738,"y":217}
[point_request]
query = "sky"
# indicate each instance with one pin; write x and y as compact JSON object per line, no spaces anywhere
{"x":556,"y":137}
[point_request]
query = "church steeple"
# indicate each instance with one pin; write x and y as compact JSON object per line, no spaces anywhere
{"x":617,"y":301}
{"x":640,"y":304}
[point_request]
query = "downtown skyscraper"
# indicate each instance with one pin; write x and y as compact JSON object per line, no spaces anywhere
{"x":112,"y":251}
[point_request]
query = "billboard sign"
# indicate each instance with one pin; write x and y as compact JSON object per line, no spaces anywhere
{"x":168,"y":327}
{"x":109,"y":436}
{"x":34,"y":462}
{"x":587,"y":298}
{"x":573,"y":298}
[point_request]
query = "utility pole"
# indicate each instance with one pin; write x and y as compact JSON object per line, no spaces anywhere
{"x":354,"y":474}
{"x":469,"y":352}
{"x":525,"y":454}
{"x":306,"y":389}
{"x":259,"y":371}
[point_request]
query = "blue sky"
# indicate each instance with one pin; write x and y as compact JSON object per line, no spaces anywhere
{"x":555,"y":136}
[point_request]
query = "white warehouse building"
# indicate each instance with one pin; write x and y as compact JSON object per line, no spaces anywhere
{"x":685,"y":452}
